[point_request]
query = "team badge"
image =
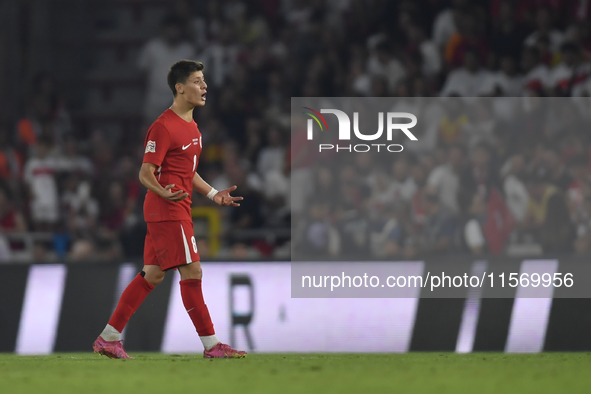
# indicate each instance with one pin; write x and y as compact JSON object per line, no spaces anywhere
{"x":151,"y":147}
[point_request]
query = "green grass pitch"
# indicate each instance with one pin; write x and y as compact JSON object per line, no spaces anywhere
{"x":299,"y":373}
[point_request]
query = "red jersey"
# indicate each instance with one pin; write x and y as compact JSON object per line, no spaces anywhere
{"x":174,"y":145}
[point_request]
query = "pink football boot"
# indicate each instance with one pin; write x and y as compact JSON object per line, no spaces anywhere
{"x":222,"y":350}
{"x":111,"y":349}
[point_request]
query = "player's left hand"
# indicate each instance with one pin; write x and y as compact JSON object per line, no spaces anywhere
{"x":223,"y":197}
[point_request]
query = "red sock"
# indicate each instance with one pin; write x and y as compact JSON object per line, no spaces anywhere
{"x":195,"y":306}
{"x":134,"y":294}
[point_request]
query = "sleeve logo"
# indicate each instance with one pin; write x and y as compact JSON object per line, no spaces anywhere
{"x":151,"y":147}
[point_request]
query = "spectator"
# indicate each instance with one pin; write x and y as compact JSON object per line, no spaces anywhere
{"x":439,"y":231}
{"x":473,"y":229}
{"x":81,"y":210}
{"x":272,"y":156}
{"x":251,"y":149}
{"x":505,"y":82}
{"x":50,"y":108}
{"x":483,"y":122}
{"x":132,"y":189}
{"x":5,"y":253}
{"x":403,"y":184}
{"x":359,"y":80}
{"x":568,"y":76}
{"x":445,"y":23}
{"x":275,"y":185}
{"x":82,"y":250}
{"x":112,"y":221}
{"x":301,"y":156}
{"x":10,"y":159}
{"x":545,"y":28}
{"x":445,"y":179}
{"x":537,"y":74}
{"x":582,"y":220}
{"x":515,"y":191}
{"x":578,"y":170}
{"x":418,"y":214}
{"x":320,"y":238}
{"x":558,"y":172}
{"x":249,"y":216}
{"x":155,"y":59}
{"x":324,"y":183}
{"x":489,"y":222}
{"x":453,"y":123}
{"x":11,"y":163}
{"x":221,"y":56}
{"x":547,"y":213}
{"x":39,"y":174}
{"x":46,"y":116}
{"x":351,"y":213}
{"x":468,"y":38}
{"x":508,"y":34}
{"x":354,"y":230}
{"x":479,"y":176}
{"x":387,"y":236}
{"x":427,"y":49}
{"x":381,"y":193}
{"x":580,"y":34}
{"x":381,"y":63}
{"x":72,"y":161}
{"x":11,"y":221}
{"x":466,"y":81}
{"x":11,"y":218}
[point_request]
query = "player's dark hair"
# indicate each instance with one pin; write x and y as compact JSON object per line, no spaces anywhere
{"x":180,"y":71}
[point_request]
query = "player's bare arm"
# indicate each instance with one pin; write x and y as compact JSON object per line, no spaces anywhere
{"x":148,"y":179}
{"x":222,"y":197}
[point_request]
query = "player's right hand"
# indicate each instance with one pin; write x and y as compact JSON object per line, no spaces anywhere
{"x":179,"y":195}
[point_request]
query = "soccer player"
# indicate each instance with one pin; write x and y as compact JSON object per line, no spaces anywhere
{"x":172,"y":149}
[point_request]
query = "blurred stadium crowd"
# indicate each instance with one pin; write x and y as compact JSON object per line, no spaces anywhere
{"x":444,"y":196}
{"x":488,"y":175}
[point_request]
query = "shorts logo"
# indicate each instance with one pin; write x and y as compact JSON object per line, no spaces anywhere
{"x":151,"y":147}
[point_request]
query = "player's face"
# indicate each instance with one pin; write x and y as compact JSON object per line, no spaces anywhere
{"x":195,"y":89}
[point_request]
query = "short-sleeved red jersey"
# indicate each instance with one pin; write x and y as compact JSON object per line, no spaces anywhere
{"x":174,"y":145}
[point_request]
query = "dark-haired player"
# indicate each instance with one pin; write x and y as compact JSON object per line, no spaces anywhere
{"x":172,"y":149}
